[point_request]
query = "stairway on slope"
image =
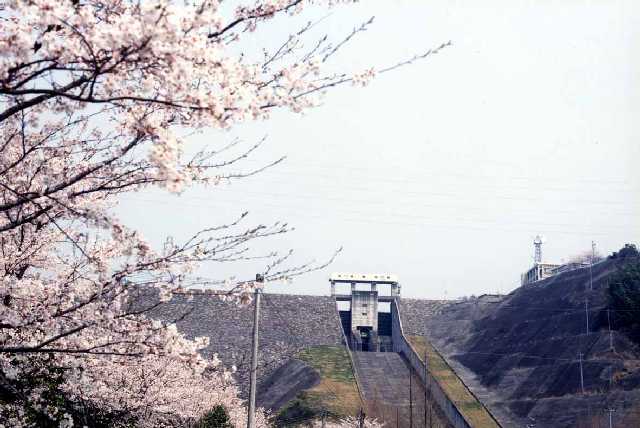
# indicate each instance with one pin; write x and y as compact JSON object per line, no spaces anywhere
{"x":383,"y":376}
{"x":384,"y":383}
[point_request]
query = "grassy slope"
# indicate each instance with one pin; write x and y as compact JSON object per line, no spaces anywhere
{"x":471,"y":408}
{"x":336,"y":395}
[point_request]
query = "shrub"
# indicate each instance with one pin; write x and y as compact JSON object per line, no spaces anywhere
{"x":629,"y":250}
{"x":215,"y":418}
{"x":624,"y":294}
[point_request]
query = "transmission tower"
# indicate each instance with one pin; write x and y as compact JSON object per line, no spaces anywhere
{"x":537,"y":244}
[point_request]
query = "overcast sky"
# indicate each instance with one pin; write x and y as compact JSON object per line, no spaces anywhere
{"x":442,"y":172}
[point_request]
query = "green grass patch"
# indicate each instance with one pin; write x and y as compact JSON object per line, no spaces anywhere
{"x":474,"y":411}
{"x":331,"y":361}
{"x":336,"y":395}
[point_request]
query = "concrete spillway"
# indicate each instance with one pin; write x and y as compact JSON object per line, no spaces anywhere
{"x":384,"y":376}
{"x":391,"y":397}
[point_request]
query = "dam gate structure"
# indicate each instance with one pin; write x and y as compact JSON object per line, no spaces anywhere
{"x":389,"y":372}
{"x":366,"y":326}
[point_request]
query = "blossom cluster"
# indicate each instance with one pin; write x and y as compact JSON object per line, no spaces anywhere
{"x":364,"y":78}
{"x":95,"y":100}
{"x":150,"y":67}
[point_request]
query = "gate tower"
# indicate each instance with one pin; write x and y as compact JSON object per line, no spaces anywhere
{"x":364,"y":305}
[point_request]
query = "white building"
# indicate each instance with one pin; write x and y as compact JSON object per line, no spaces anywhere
{"x":539,"y":271}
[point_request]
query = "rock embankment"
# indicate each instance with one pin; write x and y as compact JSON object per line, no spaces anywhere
{"x":522,"y":354}
{"x":414,"y":312}
{"x":288,"y":324}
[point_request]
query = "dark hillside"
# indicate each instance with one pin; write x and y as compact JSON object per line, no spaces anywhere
{"x":522,"y":353}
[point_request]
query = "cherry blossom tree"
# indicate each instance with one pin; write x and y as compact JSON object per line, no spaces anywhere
{"x":349,"y":422}
{"x":96,"y":100}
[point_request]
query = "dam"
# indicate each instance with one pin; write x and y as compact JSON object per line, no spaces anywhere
{"x":364,"y":315}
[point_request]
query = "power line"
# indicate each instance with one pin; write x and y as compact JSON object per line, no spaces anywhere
{"x":418,"y":174}
{"x":365,"y":213}
{"x":374,"y":199}
{"x":538,"y":357}
{"x":382,"y":186}
{"x":364,"y":218}
{"x":568,"y":309}
{"x":558,"y":317}
{"x":421,"y":194}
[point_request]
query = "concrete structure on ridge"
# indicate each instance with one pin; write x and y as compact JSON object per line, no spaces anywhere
{"x":538,"y":271}
{"x":362,"y":320}
{"x":541,"y":270}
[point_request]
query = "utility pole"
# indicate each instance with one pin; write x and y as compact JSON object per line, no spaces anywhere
{"x":251,"y":417}
{"x":581,"y":375}
{"x":610,"y":334}
{"x":427,"y":391}
{"x":426,"y":376}
{"x":593,"y":255}
{"x":410,"y":400}
{"x":427,"y":380}
{"x":610,"y":410}
{"x":610,"y":377}
{"x":586,"y":311}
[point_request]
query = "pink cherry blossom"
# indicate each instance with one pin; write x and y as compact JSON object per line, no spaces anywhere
{"x":96,"y":98}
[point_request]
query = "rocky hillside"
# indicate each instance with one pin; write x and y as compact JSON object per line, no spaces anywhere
{"x":522,"y":353}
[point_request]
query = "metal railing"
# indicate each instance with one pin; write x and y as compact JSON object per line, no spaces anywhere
{"x":354,"y":368}
{"x":402,"y":345}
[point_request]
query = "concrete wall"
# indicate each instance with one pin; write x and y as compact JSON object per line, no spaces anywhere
{"x":402,"y":345}
{"x":364,"y":309}
{"x":354,"y":367}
